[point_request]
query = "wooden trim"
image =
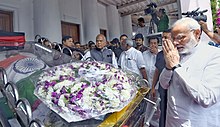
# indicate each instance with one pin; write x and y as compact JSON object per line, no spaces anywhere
{"x":8,"y":27}
{"x":71,"y":29}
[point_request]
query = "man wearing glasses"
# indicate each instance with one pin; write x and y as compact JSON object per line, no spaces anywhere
{"x":192,"y":77}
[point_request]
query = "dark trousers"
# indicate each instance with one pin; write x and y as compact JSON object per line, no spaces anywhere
{"x":163,"y":106}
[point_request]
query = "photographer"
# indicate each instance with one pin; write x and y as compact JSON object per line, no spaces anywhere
{"x":163,"y":23}
{"x":160,"y":17}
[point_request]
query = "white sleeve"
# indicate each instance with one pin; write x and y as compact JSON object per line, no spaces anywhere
{"x":87,"y":55}
{"x":140,"y":60}
{"x":114,"y":61}
{"x":165,"y":78}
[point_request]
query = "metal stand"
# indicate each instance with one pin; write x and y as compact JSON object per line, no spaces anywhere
{"x":148,"y":119}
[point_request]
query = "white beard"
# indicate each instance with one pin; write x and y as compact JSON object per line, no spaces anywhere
{"x":188,"y":48}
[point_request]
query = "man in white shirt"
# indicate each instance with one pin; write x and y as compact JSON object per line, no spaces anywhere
{"x":150,"y":57}
{"x":132,"y":59}
{"x":143,"y":29}
{"x":192,"y":77}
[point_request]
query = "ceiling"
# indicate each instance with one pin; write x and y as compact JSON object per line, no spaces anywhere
{"x":136,"y":8}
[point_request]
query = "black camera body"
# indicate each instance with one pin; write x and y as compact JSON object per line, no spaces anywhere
{"x":150,"y":9}
{"x":197,"y":15}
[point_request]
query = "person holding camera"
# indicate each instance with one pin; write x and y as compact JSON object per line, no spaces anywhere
{"x":191,"y":77}
{"x":163,"y":22}
{"x":213,"y":36}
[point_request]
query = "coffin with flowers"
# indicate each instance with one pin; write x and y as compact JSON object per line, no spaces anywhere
{"x":83,"y":90}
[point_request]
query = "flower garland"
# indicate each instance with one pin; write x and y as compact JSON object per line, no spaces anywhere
{"x":86,"y":89}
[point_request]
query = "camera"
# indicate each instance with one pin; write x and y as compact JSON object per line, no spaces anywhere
{"x":151,"y":8}
{"x":197,"y":15}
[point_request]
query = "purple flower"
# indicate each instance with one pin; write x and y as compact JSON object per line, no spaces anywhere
{"x":63,"y":90}
{"x":71,"y":66}
{"x":55,"y":101}
{"x":72,"y":99}
{"x":61,"y":78}
{"x":108,"y":66}
{"x":118,"y":86}
{"x":118,"y":77}
{"x":66,"y":97}
{"x":97,"y":83}
{"x":46,"y":86}
{"x":84,"y":85}
{"x":79,"y":95}
{"x":104,"y":81}
{"x":58,"y":96}
{"x":53,"y":94}
{"x":53,"y":83}
{"x":71,"y":79}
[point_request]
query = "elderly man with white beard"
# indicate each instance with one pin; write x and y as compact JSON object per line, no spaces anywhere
{"x":192,"y":77}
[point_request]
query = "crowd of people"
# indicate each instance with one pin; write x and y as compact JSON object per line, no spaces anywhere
{"x":185,"y":70}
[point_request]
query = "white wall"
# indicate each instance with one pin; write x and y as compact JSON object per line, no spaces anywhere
{"x":47,"y":19}
{"x":23,"y":15}
{"x":71,"y":11}
{"x":102,"y":15}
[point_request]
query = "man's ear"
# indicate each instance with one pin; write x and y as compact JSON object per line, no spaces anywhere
{"x":197,"y":34}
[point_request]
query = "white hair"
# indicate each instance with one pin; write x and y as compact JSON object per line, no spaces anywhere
{"x":191,"y":23}
{"x":129,"y":42}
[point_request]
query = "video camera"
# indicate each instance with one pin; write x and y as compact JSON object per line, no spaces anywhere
{"x":197,"y":15}
{"x":151,"y":8}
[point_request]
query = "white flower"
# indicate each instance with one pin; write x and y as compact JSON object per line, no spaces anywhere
{"x":109,"y":93}
{"x":41,"y":91}
{"x":65,"y":83}
{"x":115,"y":102}
{"x":112,"y":82}
{"x":62,"y":104}
{"x":76,"y":87}
{"x":125,"y":95}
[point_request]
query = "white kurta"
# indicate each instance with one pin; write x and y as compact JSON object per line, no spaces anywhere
{"x":194,"y":89}
{"x":150,"y":60}
{"x":143,"y":30}
{"x":131,"y":60}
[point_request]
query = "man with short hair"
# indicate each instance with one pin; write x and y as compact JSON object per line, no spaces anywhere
{"x":150,"y":57}
{"x":142,"y":29}
{"x":119,"y":50}
{"x":68,"y":41}
{"x":69,"y":49}
{"x":77,"y":45}
{"x":159,"y":66}
{"x":139,"y":39}
{"x":132,"y":59}
{"x":91,"y":45}
{"x":192,"y":77}
{"x":101,"y":52}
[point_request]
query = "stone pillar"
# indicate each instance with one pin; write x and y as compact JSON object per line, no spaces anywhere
{"x":47,"y":22}
{"x":113,"y":22}
{"x":127,"y":25}
{"x":90,"y":20}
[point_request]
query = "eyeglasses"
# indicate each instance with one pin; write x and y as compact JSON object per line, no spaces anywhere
{"x":180,"y":37}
